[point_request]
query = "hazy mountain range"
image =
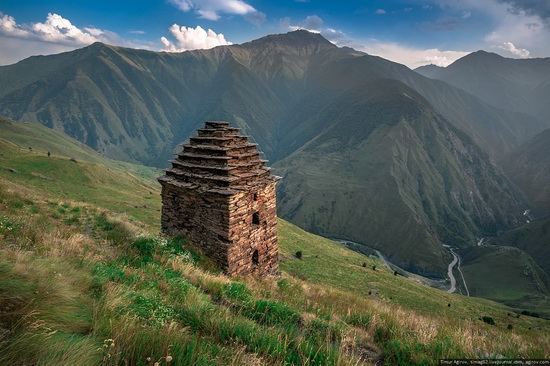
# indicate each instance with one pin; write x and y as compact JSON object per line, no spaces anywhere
{"x":369,"y":150}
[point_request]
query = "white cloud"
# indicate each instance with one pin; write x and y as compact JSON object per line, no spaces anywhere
{"x":58,"y":29}
{"x":188,"y":38}
{"x":56,"y":34}
{"x":334,"y":35}
{"x":509,"y":46}
{"x":525,"y":29}
{"x":211,"y":9}
{"x":409,"y":56}
{"x":55,"y":29}
{"x":313,"y":22}
{"x":380,"y":11}
{"x":8,"y":26}
{"x":521,"y":30}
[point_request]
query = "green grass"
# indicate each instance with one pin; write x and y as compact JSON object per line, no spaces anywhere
{"x":507,"y":275}
{"x":347,"y":272}
{"x":92,"y":178}
{"x":84,"y":282}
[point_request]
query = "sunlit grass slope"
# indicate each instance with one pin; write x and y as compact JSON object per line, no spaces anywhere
{"x":76,"y":172}
{"x":88,"y":281}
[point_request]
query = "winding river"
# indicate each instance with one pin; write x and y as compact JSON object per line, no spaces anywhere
{"x":456,"y":260}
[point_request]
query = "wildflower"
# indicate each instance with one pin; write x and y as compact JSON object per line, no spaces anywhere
{"x":168,"y":358}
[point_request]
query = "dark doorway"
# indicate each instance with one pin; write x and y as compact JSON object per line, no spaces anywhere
{"x":255,"y":258}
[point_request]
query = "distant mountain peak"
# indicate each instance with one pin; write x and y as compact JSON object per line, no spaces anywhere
{"x":479,"y":56}
{"x":300,"y":37}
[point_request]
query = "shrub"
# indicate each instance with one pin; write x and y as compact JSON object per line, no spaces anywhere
{"x":488,"y":320}
{"x":298,"y":254}
{"x":530,"y":313}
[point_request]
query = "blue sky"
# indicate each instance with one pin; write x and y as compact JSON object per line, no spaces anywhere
{"x":411,"y":32}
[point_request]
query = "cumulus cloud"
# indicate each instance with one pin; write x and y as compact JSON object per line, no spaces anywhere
{"x":523,"y":31}
{"x":188,"y":38}
{"x":524,"y":23}
{"x":211,"y":9}
{"x":409,"y":56}
{"x":509,"y":46}
{"x":56,"y":34}
{"x":8,"y":26}
{"x":380,"y":11}
{"x":55,"y":29}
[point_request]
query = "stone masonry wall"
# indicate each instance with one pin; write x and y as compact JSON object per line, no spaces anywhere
{"x":201,"y":218}
{"x":247,"y":237}
{"x":220,"y":196}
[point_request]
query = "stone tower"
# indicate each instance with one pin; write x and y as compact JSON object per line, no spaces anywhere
{"x":221,"y":197}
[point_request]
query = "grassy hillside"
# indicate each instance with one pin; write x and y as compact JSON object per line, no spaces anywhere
{"x":532,"y":238}
{"x":83,"y":281}
{"x":507,"y":275}
{"x":75,"y":172}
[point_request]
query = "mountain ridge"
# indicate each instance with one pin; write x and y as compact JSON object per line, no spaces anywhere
{"x":412,"y":156}
{"x":520,"y":85}
{"x":137,"y":105}
{"x":183,"y":82}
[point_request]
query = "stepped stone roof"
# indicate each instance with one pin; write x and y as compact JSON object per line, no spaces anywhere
{"x":218,"y":160}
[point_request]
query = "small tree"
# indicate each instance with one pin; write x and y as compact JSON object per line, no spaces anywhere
{"x":298,"y":254}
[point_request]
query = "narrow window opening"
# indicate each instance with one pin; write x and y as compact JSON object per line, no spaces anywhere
{"x":255,"y":196}
{"x":255,"y":258}
{"x":256,"y":218}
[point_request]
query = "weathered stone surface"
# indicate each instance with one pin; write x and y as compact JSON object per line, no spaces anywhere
{"x":220,"y":195}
